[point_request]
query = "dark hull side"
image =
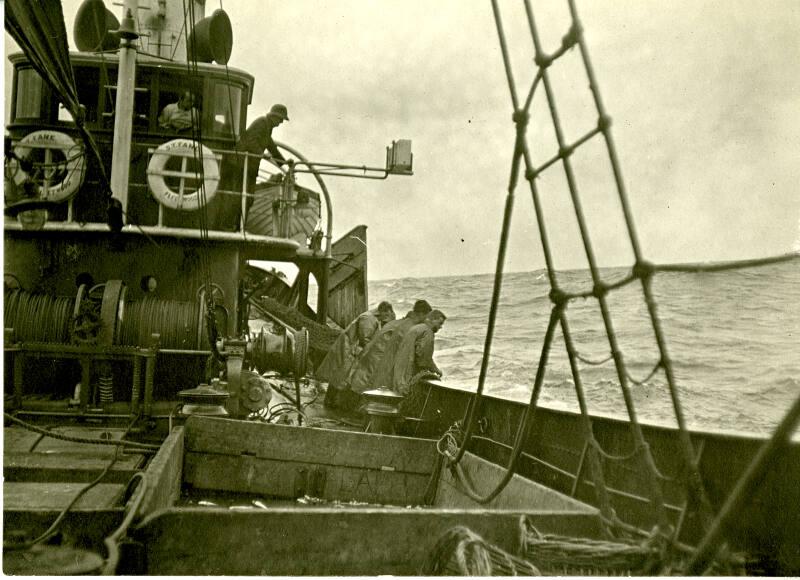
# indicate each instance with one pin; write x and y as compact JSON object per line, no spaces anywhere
{"x":554,"y":454}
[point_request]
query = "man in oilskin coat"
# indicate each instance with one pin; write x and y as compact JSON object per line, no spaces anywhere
{"x":258,"y":138}
{"x":338,"y":363}
{"x":415,"y":353}
{"x":374,"y":367}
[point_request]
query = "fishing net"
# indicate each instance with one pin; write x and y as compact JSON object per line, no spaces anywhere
{"x":564,"y":555}
{"x":321,"y":336}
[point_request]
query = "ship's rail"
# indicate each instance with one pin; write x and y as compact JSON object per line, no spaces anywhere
{"x":293,"y":204}
{"x":556,"y":453}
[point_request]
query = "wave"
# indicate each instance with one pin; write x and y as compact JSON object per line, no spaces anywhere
{"x":731,"y":337}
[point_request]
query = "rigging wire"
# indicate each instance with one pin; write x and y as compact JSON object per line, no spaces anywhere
{"x":696,"y":487}
{"x":180,"y":33}
{"x":727,"y":266}
{"x":524,"y":427}
{"x":657,"y":494}
{"x":641,"y":270}
{"x":205,"y":259}
{"x":235,"y":137}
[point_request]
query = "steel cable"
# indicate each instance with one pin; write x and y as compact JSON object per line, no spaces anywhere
{"x":37,"y":317}
{"x":173,"y":320}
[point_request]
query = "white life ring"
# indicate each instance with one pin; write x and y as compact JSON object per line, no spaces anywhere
{"x":188,"y":149}
{"x":54,"y":180}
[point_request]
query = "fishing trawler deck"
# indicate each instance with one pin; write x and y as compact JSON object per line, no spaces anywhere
{"x":149,"y":429}
{"x":290,"y":486}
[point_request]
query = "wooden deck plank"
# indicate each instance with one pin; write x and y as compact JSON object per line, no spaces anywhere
{"x":20,"y":440}
{"x":34,"y":467}
{"x":76,"y":461}
{"x":49,"y":496}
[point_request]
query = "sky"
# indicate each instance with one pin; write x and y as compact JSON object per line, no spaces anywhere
{"x":704,"y":96}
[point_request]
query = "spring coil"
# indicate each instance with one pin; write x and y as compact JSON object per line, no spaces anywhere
{"x":105,"y":385}
{"x":37,"y":317}
{"x":137,"y":382}
{"x":175,"y":321}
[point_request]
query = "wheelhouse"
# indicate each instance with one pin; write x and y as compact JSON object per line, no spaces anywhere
{"x":221,"y":96}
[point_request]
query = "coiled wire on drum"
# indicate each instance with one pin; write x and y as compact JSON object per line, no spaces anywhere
{"x":37,"y":317}
{"x":175,"y":321}
{"x":285,"y":353}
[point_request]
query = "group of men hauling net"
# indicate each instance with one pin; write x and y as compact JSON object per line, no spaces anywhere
{"x":376,"y":350}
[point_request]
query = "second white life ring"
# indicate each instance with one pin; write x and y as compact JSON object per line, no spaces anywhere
{"x":187,"y":150}
{"x":55,"y":179}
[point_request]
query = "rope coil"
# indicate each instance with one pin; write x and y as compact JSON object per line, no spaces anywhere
{"x":462,"y":552}
{"x":563,"y":555}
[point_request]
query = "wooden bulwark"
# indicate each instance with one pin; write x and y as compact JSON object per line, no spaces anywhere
{"x":520,"y":493}
{"x":164,"y":474}
{"x":326,"y":541}
{"x":552,"y":455}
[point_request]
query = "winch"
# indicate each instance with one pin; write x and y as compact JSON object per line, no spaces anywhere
{"x":204,"y":399}
{"x":382,"y":409}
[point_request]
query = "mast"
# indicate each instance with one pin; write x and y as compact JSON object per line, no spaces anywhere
{"x":123,"y":120}
{"x":165,"y":20}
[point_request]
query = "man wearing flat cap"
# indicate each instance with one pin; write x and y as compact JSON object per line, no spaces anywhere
{"x":254,"y":142}
{"x":258,"y":137}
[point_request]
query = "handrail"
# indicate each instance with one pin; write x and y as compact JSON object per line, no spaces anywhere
{"x":328,"y":204}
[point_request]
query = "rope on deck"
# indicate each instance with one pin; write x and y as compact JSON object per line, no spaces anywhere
{"x":563,"y":555}
{"x":462,"y":552}
{"x":86,"y":440}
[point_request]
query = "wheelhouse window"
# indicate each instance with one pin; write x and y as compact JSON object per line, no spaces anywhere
{"x":141,"y":100}
{"x":88,"y":85}
{"x":226,"y":110}
{"x":29,"y":94}
{"x":174,"y":105}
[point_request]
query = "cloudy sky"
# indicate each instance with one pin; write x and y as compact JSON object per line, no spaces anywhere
{"x":704,"y":96}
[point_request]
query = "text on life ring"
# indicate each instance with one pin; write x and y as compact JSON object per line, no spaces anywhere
{"x":185,"y":153}
{"x":54,"y":179}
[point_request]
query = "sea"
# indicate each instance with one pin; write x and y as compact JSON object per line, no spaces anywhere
{"x":733,"y":338}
